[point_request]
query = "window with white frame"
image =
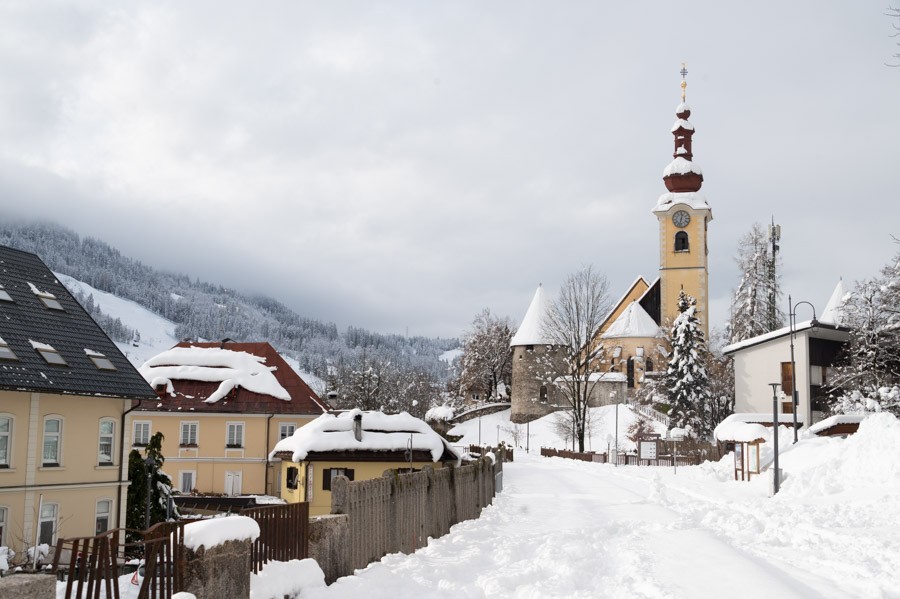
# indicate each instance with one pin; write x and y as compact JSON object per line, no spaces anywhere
{"x":5,"y":352}
{"x":104,"y":509}
{"x":107,"y":436}
{"x":286,"y":430}
{"x":3,"y":527}
{"x":141,"y":435}
{"x":99,"y":360}
{"x":6,"y":425}
{"x":189,"y":433}
{"x":188,"y":481}
{"x":52,"y":441}
{"x":235,"y":434}
{"x":47,"y":524}
{"x":4,"y":295}
{"x":49,"y":353}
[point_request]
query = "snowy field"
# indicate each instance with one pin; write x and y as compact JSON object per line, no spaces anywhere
{"x":562,"y":528}
{"x":543,"y":431}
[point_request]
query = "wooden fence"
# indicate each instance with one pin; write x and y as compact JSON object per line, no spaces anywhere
{"x":504,"y":452}
{"x":695,"y":454}
{"x":283,"y":533}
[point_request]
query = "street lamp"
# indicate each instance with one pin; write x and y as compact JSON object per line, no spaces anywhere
{"x":775,"y":433}
{"x":792,"y":322}
{"x":149,"y":464}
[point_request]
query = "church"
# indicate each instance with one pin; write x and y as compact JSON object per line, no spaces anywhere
{"x":630,"y":331}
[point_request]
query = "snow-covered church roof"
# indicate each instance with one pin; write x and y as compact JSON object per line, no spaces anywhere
{"x":530,"y":331}
{"x":632,"y":322}
{"x":692,"y":199}
{"x":834,"y":310}
{"x":379,"y":432}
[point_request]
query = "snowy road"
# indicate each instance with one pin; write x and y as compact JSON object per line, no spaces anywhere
{"x":570,"y":529}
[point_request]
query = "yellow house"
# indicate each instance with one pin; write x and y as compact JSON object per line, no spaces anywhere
{"x":356,"y":444}
{"x":65,"y":389}
{"x":222,"y":407}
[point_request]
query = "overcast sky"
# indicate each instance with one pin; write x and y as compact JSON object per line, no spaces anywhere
{"x":401,"y":165}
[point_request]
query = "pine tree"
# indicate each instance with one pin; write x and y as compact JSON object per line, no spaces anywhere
{"x":752,"y":311}
{"x":686,"y":378}
{"x":161,"y":486}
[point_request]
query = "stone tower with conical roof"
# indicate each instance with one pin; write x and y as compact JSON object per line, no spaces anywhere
{"x":684,"y":218}
{"x":530,"y":397}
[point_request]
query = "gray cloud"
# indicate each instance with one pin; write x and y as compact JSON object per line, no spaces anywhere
{"x":405,"y":165}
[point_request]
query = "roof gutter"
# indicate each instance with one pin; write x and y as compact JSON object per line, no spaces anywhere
{"x":122,"y":459}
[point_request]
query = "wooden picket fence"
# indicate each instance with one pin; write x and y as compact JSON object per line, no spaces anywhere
{"x":283,"y":533}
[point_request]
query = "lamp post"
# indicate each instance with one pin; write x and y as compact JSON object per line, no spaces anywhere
{"x":795,"y":395}
{"x":149,"y":464}
{"x":775,"y":475}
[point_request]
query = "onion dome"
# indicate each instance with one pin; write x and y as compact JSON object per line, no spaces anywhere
{"x":682,"y":175}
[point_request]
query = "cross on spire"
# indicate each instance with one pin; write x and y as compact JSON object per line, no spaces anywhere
{"x":683,"y":73}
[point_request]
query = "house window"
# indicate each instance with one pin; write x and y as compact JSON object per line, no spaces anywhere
{"x":329,"y":473}
{"x":681,"y":242}
{"x":104,"y":508}
{"x":233,"y":483}
{"x":47,"y":524}
{"x":629,"y":372}
{"x":5,"y":352}
{"x":648,"y":365}
{"x":50,"y":355}
{"x":4,"y":295}
{"x":543,"y":393}
{"x":235,"y":435}
{"x":99,"y":360}
{"x":286,"y":430}
{"x":188,"y":481}
{"x":5,"y":441}
{"x":107,"y":429}
{"x":188,"y":434}
{"x":52,"y":438}
{"x":141,"y":435}
{"x":3,"y":527}
{"x":292,"y":475}
{"x":51,"y":302}
{"x":787,"y":381}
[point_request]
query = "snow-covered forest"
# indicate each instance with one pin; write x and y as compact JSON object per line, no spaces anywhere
{"x":347,"y":360}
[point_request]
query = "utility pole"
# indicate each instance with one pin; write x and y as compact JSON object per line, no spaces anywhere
{"x":771,"y":276}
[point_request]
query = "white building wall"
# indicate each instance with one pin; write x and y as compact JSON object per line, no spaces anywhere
{"x":758,"y":366}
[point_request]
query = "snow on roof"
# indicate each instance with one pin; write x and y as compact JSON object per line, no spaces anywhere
{"x":213,"y":365}
{"x":737,"y":427}
{"x":612,"y":377}
{"x":216,"y":531}
{"x":530,"y":331}
{"x":443,"y":412}
{"x":39,"y":345}
{"x":93,"y":353}
{"x":40,"y":293}
{"x":836,"y":420}
{"x":632,"y":322}
{"x":692,"y":199}
{"x":682,"y":108}
{"x":834,"y":310}
{"x":682,"y":124}
{"x":681,"y":166}
{"x":380,"y":432}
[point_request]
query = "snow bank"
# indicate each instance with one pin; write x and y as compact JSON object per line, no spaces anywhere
{"x":280,"y":579}
{"x":214,"y":365}
{"x":209,"y":533}
{"x":443,"y":412}
{"x":380,"y":432}
{"x":737,"y":428}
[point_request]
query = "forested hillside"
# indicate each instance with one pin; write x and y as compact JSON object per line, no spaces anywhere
{"x":365,"y":368}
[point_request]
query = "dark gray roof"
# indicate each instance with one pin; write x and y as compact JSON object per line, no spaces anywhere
{"x":69,"y":332}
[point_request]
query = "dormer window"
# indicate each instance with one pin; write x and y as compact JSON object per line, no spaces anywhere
{"x":48,"y":298}
{"x":99,"y":360}
{"x":5,"y":352}
{"x":681,"y":242}
{"x":48,"y":353}
{"x":4,"y":295}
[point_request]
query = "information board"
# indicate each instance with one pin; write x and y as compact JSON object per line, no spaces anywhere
{"x":647,"y":450}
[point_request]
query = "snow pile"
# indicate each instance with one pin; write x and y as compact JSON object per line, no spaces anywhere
{"x":681,"y":166}
{"x":531,"y":330}
{"x":439,"y":413}
{"x":213,"y":365}
{"x":380,"y":432}
{"x":280,"y":579}
{"x":216,"y":531}
{"x":836,"y":420}
{"x":6,"y":555}
{"x":632,"y":322}
{"x":736,"y":428}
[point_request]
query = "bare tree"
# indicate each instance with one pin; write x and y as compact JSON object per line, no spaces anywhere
{"x":570,"y":327}
{"x":486,"y":360}
{"x":894,"y":13}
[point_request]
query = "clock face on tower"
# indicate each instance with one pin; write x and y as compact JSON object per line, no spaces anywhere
{"x":681,"y":218}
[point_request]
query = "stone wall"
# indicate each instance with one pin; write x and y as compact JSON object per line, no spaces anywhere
{"x":28,"y":586}
{"x":398,"y":512}
{"x":220,"y":571}
{"x":329,"y":537}
{"x":525,"y":392}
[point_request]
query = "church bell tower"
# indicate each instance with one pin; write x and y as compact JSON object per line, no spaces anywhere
{"x":684,"y":217}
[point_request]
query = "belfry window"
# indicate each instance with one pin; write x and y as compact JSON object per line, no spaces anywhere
{"x":681,"y":242}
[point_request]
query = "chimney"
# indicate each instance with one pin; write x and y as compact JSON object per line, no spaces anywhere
{"x":357,"y":427}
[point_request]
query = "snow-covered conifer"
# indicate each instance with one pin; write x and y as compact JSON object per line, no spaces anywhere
{"x":752,"y":312}
{"x":686,"y":378}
